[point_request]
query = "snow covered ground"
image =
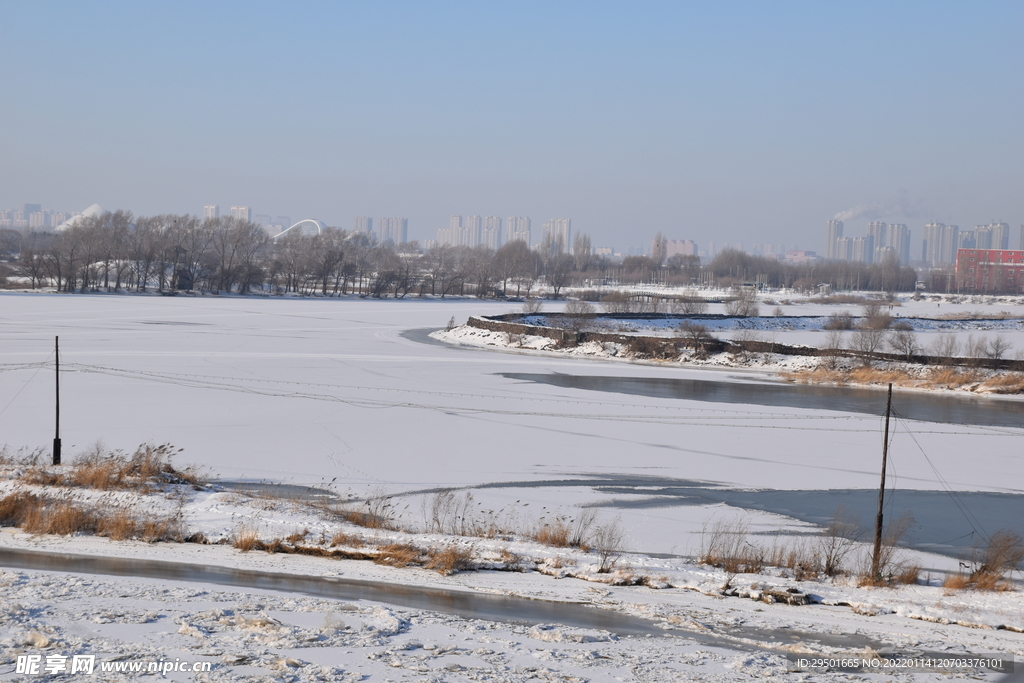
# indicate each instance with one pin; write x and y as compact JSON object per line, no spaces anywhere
{"x":353,"y":396}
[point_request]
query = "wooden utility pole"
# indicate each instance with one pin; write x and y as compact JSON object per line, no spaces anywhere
{"x":881,"y":494}
{"x":56,"y":435}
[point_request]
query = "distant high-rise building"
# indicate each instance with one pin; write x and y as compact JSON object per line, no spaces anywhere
{"x":363,"y":224}
{"x":1020,"y":244}
{"x":518,"y":228}
{"x":832,"y":235}
{"x":897,"y":238}
{"x":863,"y":249}
{"x":263,"y":219}
{"x":680,"y":248}
{"x":445,"y":237}
{"x":31,"y":209}
{"x":393,"y":229}
{"x":470,"y":233}
{"x":1000,"y":235}
{"x":844,"y":249}
{"x":558,"y":230}
{"x":983,"y":237}
{"x":283,"y":221}
{"x":241,"y":213}
{"x":490,"y":232}
{"x":876,"y":231}
{"x":211,"y":211}
{"x":39,"y":220}
{"x":966,"y":240}
{"x":939,"y":244}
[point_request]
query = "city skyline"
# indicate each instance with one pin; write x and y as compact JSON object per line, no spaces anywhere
{"x":931,"y":244}
{"x":733,"y":123}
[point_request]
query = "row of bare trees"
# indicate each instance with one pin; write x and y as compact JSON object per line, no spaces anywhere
{"x":117,"y":251}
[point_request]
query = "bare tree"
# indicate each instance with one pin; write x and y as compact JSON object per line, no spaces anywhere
{"x":559,"y":269}
{"x":532,"y":306}
{"x":743,"y":303}
{"x":10,"y":242}
{"x":326,"y":253}
{"x":904,"y":342}
{"x":697,"y":337}
{"x":945,"y":347}
{"x":867,"y":340}
{"x":659,"y":250}
{"x":997,"y":347}
{"x":582,"y":252}
{"x":690,"y":303}
{"x":837,"y":541}
{"x":874,"y":317}
{"x":616,"y":302}
{"x":32,"y":265}
{"x":579,"y":315}
{"x":608,"y":541}
{"x":833,"y":347}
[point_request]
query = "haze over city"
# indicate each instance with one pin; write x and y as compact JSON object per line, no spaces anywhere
{"x":736,"y":122}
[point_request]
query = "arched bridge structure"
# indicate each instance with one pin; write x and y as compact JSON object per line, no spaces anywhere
{"x":308,"y":226}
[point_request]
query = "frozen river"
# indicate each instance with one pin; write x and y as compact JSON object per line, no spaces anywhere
{"x":338,"y":393}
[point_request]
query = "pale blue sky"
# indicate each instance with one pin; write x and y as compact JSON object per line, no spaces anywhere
{"x":727,"y":121}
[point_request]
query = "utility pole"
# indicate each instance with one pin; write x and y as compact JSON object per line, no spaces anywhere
{"x":881,"y":494}
{"x":56,"y":436}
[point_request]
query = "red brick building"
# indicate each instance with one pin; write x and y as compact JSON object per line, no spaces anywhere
{"x":990,"y":271}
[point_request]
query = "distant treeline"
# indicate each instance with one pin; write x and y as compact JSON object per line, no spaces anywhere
{"x":118,"y":251}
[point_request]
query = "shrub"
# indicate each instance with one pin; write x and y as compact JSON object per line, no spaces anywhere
{"x":247,"y":539}
{"x":617,"y":302}
{"x":14,"y":507}
{"x":1003,"y":553}
{"x":450,"y":559}
{"x":651,"y":347}
{"x":119,"y":526}
{"x":61,"y":518}
{"x":608,"y":542}
{"x":690,"y":303}
{"x":397,"y":555}
{"x":839,"y":321}
{"x":556,"y":533}
{"x":341,"y":538}
{"x":744,"y":303}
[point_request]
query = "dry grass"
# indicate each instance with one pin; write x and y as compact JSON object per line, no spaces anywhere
{"x":375,"y":512}
{"x":907,"y":575}
{"x":952,"y":378}
{"x":15,"y":506}
{"x":297,"y":537}
{"x":60,"y":518}
{"x":818,"y":375}
{"x":869,"y":375}
{"x":957,"y":581}
{"x":121,"y":525}
{"x":1009,"y":383}
{"x":341,"y":538}
{"x":934,"y":378}
{"x":1003,"y":553}
{"x":246,"y":540}
{"x":725,"y":545}
{"x":64,"y":517}
{"x":398,"y":555}
{"x":147,"y":468}
{"x":555,"y":534}
{"x":449,"y":559}
{"x":156,"y":529}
